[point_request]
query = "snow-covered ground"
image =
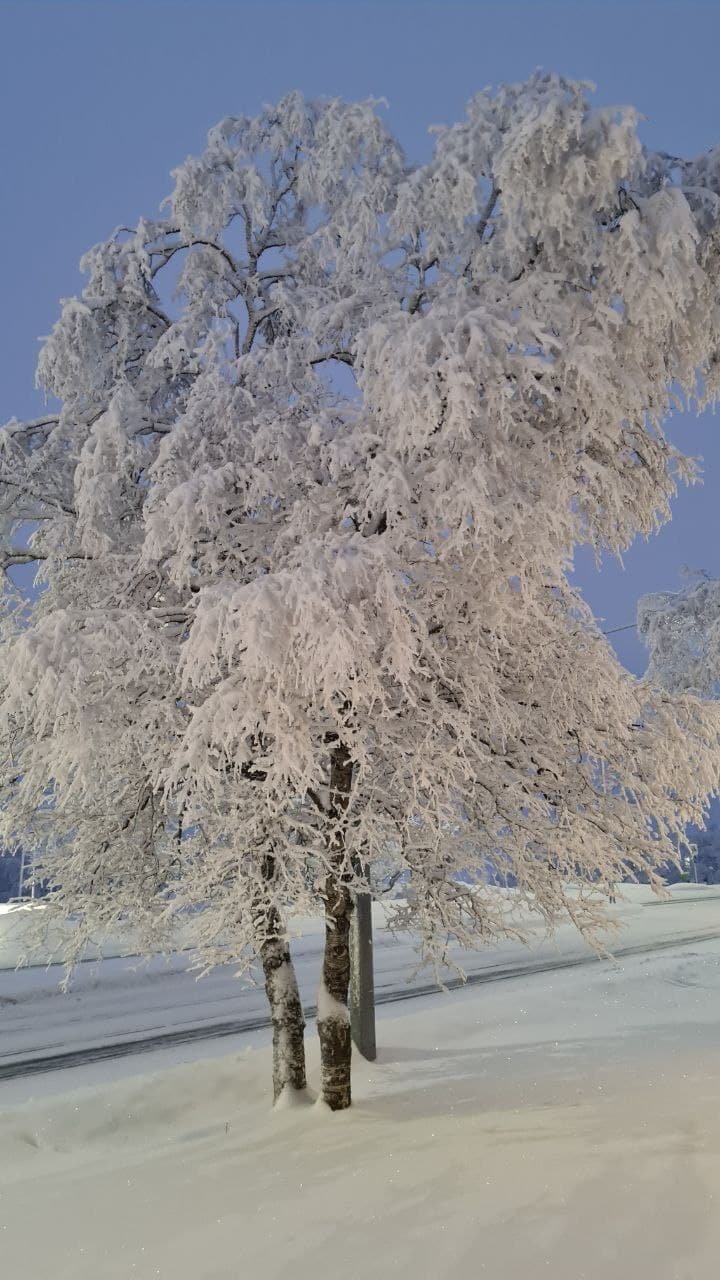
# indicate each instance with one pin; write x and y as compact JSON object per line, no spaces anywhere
{"x":121,"y":999}
{"x":563,"y":1124}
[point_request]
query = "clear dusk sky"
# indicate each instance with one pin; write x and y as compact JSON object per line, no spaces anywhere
{"x":99,"y":99}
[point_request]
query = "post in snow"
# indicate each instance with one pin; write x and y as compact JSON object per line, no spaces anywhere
{"x":362,"y":982}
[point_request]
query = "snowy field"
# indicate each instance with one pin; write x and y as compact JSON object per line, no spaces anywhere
{"x":558,"y":1123}
{"x":122,"y":999}
{"x":564,"y":1124}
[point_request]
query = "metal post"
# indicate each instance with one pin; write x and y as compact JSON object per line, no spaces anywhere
{"x":362,"y":983}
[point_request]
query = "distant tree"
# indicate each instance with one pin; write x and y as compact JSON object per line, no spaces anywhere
{"x":304,"y":536}
{"x":705,"y":866}
{"x":10,"y":865}
{"x":681,"y":630}
{"x":18,"y":878}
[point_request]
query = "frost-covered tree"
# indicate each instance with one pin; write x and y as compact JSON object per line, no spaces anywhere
{"x":303,"y":531}
{"x":10,"y":876}
{"x":705,"y":860}
{"x":681,"y":630}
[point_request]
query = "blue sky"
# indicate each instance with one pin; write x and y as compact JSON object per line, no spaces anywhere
{"x":99,"y":99}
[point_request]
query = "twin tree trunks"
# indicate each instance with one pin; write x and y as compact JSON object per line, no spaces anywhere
{"x":333,"y":1019}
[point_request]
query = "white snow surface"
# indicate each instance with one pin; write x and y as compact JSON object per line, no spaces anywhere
{"x":562,"y":1123}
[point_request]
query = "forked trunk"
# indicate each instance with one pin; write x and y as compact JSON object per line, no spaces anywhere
{"x":333,"y":1019}
{"x":286,"y":1011}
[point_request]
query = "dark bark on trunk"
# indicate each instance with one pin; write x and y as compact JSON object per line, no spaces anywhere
{"x":333,"y":1016}
{"x":286,"y":1011}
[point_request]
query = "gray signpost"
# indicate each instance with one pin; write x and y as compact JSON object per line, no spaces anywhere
{"x":362,"y":982}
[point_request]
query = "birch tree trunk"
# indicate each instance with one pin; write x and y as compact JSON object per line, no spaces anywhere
{"x":333,"y":1020}
{"x":286,"y":1011}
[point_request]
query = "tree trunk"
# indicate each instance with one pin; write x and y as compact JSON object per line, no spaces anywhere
{"x":286,"y":1011}
{"x":333,"y":1020}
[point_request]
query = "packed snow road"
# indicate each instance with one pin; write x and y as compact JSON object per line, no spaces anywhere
{"x":123,"y":1006}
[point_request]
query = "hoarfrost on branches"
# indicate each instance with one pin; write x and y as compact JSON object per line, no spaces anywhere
{"x":682,"y":632}
{"x":304,"y":534}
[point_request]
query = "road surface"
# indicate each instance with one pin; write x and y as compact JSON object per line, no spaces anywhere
{"x":123,"y":1006}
